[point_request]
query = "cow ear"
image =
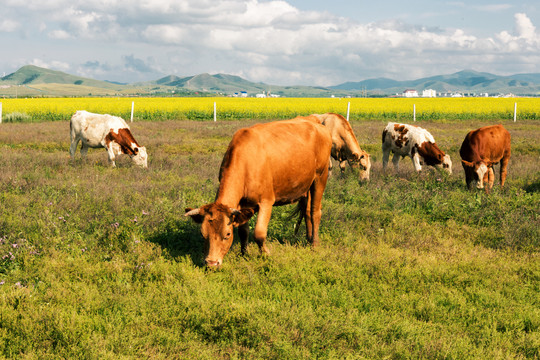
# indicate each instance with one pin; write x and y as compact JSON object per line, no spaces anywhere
{"x":242,"y":216}
{"x":195,"y":215}
{"x":467,"y":163}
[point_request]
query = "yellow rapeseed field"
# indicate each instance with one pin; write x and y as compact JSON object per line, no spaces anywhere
{"x":202,"y":108}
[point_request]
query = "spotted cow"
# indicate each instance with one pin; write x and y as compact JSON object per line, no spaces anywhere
{"x":414,"y":142}
{"x":107,"y":131}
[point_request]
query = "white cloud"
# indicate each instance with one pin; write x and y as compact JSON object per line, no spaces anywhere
{"x":55,"y":65}
{"x":270,"y":41}
{"x":494,"y":7}
{"x":524,"y":39}
{"x":59,"y":34}
{"x":9,"y":25}
{"x":525,"y":28}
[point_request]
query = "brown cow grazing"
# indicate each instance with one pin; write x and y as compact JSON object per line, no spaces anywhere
{"x":276,"y":163}
{"x":481,"y":149}
{"x":345,"y":148}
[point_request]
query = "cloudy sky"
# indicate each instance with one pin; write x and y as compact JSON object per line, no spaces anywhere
{"x":301,"y":42}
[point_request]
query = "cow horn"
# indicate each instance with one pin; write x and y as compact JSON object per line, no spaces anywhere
{"x":193,"y":212}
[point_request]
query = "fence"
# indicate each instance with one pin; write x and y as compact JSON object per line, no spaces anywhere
{"x":273,"y":110}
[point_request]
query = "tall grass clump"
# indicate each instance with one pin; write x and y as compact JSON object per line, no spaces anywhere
{"x":16,"y":117}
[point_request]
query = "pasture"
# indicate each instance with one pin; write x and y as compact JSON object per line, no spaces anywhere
{"x":100,"y":263}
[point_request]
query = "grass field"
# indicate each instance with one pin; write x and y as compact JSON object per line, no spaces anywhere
{"x":100,"y":263}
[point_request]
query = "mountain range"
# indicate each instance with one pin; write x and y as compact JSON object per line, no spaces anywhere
{"x":36,"y":81}
{"x":466,"y":81}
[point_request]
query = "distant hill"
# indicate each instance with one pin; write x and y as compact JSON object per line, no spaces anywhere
{"x":466,"y":81}
{"x":33,"y":75}
{"x":211,"y":83}
{"x":231,"y":84}
{"x":35,"y":81}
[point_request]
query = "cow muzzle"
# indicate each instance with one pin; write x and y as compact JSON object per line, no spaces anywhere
{"x":213,"y":264}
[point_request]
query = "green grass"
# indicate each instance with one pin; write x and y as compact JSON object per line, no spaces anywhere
{"x":100,"y":263}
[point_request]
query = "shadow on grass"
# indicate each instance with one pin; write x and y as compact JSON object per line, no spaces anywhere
{"x":182,"y":238}
{"x":532,"y":187}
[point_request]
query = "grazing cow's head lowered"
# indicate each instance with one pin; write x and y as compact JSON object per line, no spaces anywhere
{"x":363,"y":161}
{"x":266,"y":165}
{"x":481,"y":149}
{"x":345,"y":147}
{"x":217,"y":224}
{"x":107,"y":131}
{"x":140,"y":157}
{"x":416,"y":143}
{"x":475,"y":172}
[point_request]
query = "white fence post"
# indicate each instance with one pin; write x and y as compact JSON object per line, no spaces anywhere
{"x":515,"y":111}
{"x":215,"y":113}
{"x":0,"y":112}
{"x":348,"y":109}
{"x":132,"y":108}
{"x":414,"y":112}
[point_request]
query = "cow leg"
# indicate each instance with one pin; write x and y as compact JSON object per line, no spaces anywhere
{"x":330,"y":166}
{"x":385,"y":156}
{"x":416,"y":162}
{"x":261,"y":228}
{"x":342,"y":165}
{"x":504,"y":168}
{"x":84,"y":150}
{"x":73,"y":147}
{"x":315,"y":207}
{"x":243,"y":234}
{"x":307,"y":217}
{"x":491,"y":178}
{"x":110,"y":151}
{"x":395,"y":161}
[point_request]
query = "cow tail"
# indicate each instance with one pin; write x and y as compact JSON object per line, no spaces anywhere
{"x":300,"y":212}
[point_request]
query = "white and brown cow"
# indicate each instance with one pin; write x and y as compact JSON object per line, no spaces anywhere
{"x":110,"y":132}
{"x":415,"y":142}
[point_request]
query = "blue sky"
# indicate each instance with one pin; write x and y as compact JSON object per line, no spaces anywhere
{"x":290,"y":42}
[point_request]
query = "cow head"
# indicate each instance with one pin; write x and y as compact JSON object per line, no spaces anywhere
{"x":475,"y":172}
{"x":361,"y":161}
{"x":365,"y":166}
{"x":217,"y":224}
{"x":141,"y":157}
{"x":445,"y":163}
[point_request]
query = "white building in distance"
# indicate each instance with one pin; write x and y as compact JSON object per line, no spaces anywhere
{"x":429,"y":93}
{"x":410,"y":93}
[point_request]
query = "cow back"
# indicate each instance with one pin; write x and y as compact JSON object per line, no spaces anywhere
{"x":278,"y":160}
{"x":489,"y":143}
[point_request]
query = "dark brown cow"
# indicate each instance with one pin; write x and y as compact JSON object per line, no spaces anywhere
{"x":481,"y":149}
{"x":268,"y":164}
